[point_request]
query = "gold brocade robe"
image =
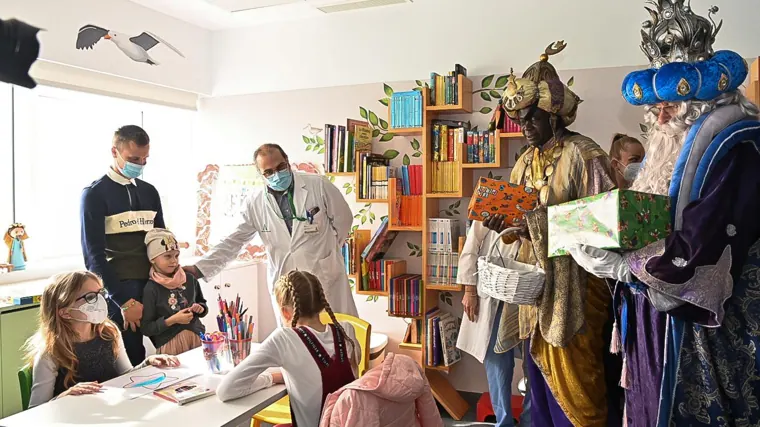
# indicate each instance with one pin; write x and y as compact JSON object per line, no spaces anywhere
{"x":566,"y":325}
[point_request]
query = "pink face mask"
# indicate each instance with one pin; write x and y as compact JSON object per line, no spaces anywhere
{"x":173,"y":282}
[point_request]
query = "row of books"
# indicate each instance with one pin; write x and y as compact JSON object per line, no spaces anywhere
{"x":406,"y":109}
{"x":481,"y":147}
{"x":445,"y":174}
{"x":443,"y":235}
{"x":510,"y":127}
{"x":404,"y":296}
{"x":380,"y":243}
{"x":444,"y":90}
{"x":407,"y":211}
{"x":349,"y":255}
{"x":442,"y":268}
{"x":342,"y":142}
{"x":374,"y":173}
{"x":374,"y":275}
{"x":442,"y":331}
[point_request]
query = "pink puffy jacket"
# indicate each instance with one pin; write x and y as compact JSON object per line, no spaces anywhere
{"x":395,"y":394}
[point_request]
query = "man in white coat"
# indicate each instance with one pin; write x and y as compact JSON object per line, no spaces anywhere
{"x":477,"y":335}
{"x":303,"y":220}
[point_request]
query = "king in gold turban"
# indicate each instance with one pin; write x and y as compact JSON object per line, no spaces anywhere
{"x":565,"y":326}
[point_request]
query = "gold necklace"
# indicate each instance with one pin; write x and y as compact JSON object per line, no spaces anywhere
{"x":541,"y":165}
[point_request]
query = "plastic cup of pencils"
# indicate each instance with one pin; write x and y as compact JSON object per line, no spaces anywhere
{"x":239,"y":349}
{"x":216,"y":352}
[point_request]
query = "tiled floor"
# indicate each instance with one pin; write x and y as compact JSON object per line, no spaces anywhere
{"x":469,"y":419}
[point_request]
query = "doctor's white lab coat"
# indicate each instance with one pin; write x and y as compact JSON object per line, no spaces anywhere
{"x":314,"y":248}
{"x":475,"y":336}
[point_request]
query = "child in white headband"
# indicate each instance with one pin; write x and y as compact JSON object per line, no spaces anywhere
{"x":172,"y":301}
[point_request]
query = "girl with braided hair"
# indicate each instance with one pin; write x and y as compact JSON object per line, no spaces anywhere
{"x":316,"y":359}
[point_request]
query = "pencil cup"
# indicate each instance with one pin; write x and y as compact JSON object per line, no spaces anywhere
{"x":239,"y":349}
{"x":217,"y":355}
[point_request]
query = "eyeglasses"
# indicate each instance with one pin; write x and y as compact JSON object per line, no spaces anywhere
{"x":281,"y":167}
{"x":92,"y":297}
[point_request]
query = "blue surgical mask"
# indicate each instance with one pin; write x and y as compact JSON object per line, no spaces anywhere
{"x":280,"y":180}
{"x":630,"y":171}
{"x":131,"y":170}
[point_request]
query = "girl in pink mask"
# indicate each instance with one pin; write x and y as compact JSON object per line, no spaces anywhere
{"x":172,"y":300}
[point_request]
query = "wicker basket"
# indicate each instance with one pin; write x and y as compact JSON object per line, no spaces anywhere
{"x":512,"y":282}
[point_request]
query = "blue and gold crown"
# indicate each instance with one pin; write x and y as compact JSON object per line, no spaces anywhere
{"x":683,"y":65}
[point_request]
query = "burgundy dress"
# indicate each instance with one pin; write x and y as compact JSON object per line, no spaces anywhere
{"x":335,"y":371}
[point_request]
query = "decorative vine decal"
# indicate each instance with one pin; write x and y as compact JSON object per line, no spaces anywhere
{"x":349,"y":187}
{"x":497,"y":177}
{"x":416,"y":250}
{"x":315,"y":143}
{"x":453,"y":208}
{"x":372,"y":298}
{"x":365,"y":214}
{"x":445,"y":297}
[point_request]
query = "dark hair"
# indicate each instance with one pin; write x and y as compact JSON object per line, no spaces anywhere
{"x":265,"y":149}
{"x":130,"y":133}
{"x":619,"y":141}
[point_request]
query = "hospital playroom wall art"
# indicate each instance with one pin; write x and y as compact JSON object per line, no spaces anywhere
{"x":134,"y":47}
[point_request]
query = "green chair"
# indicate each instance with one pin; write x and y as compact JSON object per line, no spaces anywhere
{"x":25,"y":384}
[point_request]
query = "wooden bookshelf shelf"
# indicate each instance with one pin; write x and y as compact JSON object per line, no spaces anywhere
{"x":358,"y":200}
{"x":340,"y":173}
{"x":481,"y":165}
{"x":406,"y":131}
{"x":405,"y":228}
{"x":511,"y":135}
{"x":464,"y":96}
{"x":457,"y":195}
{"x":373,"y":293}
{"x":444,"y":288}
{"x":410,"y":346}
{"x":440,"y":368}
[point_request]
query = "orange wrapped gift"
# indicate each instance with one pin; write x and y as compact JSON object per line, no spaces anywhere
{"x":494,"y":197}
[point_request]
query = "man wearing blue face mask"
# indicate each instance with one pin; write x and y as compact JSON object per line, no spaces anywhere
{"x":303,"y":220}
{"x":116,"y":212}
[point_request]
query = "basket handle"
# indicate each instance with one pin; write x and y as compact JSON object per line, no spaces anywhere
{"x":503,"y":233}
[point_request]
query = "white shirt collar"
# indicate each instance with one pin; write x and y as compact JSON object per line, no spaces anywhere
{"x":117,"y":178}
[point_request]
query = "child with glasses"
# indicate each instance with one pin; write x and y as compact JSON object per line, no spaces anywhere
{"x":173,"y":302}
{"x":76,"y":346}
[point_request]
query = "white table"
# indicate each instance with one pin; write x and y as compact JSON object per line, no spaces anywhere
{"x":108,"y":409}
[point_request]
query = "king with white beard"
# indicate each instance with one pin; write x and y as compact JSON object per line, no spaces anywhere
{"x":688,"y":305}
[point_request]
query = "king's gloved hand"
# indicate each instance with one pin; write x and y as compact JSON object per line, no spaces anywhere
{"x":601,"y":263}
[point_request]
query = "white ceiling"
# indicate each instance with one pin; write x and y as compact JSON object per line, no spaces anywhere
{"x":218,"y":14}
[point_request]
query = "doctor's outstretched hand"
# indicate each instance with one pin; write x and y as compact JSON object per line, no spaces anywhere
{"x":601,"y":263}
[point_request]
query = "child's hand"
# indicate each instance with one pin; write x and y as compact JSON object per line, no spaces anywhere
{"x":182,"y":317}
{"x":163,"y":361}
{"x":196,"y":308}
{"x":82,"y":388}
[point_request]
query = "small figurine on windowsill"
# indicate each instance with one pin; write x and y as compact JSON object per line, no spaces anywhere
{"x":14,"y":238}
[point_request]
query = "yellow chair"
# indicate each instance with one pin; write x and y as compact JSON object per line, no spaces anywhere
{"x":279,"y":412}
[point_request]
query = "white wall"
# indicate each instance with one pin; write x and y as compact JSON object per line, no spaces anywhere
{"x":62,"y":19}
{"x":486,"y":36}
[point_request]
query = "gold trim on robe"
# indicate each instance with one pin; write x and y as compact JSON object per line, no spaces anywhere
{"x":566,"y":326}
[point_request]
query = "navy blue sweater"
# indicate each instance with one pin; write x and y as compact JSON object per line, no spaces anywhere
{"x":115,"y":217}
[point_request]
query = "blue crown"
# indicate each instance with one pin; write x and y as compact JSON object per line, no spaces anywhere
{"x":684,"y":81}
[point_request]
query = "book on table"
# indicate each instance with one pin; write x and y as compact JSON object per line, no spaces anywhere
{"x":184,"y":392}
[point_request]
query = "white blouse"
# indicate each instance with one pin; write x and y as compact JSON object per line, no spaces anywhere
{"x":283,"y":348}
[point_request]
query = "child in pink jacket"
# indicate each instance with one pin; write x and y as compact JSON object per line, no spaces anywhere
{"x":394,"y":394}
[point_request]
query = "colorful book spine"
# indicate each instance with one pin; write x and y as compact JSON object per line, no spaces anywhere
{"x":406,"y":110}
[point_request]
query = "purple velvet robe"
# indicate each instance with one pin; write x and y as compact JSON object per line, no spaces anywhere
{"x":695,"y":276}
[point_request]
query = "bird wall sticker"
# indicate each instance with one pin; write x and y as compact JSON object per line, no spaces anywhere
{"x":136,"y":47}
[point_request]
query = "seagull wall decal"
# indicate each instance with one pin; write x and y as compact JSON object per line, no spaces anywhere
{"x":136,"y":47}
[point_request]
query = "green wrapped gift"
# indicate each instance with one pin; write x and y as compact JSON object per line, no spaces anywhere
{"x":617,"y":219}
